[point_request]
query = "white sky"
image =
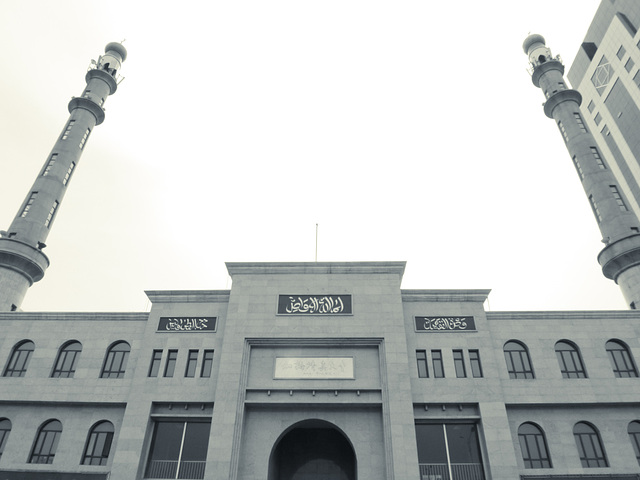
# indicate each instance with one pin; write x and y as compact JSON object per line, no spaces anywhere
{"x":408,"y":130}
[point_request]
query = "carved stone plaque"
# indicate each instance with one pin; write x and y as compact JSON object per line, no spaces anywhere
{"x":314,"y":305}
{"x":317,"y":368}
{"x":445,"y":324}
{"x":187,"y":324}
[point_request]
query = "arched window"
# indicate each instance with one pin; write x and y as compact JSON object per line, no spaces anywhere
{"x":589,"y":446}
{"x":535,"y":453}
{"x":5,"y":429}
{"x":518,"y":361}
{"x":96,"y":452}
{"x":19,"y":359}
{"x":621,"y":359}
{"x":634,"y":435}
{"x":570,"y":360}
{"x":44,"y":448}
{"x":115,"y":362}
{"x":67,"y":360}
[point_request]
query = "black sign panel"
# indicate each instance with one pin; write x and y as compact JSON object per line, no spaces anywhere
{"x":445,"y":324}
{"x":314,"y":305}
{"x":187,"y":324}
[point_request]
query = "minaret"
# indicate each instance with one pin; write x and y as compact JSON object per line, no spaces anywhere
{"x":22,"y":261}
{"x":619,"y":226}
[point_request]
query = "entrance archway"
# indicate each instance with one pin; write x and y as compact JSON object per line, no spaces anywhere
{"x":312,"y":450}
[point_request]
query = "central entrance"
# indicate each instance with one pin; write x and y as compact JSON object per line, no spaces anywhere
{"x":312,"y":450}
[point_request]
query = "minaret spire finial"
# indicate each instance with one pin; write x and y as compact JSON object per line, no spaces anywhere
{"x":22,"y":261}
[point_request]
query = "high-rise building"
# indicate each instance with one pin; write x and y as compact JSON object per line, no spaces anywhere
{"x":606,"y":72}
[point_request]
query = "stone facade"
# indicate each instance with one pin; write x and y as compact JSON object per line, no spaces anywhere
{"x":310,"y":355}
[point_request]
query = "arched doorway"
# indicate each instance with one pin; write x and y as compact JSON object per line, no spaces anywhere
{"x":312,"y":450}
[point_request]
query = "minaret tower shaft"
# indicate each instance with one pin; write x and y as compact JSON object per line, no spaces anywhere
{"x":619,"y":226}
{"x":22,"y":261}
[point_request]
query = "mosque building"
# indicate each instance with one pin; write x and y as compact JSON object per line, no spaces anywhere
{"x":328,"y":370}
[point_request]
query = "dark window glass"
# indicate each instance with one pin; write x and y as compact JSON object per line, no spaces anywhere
{"x":598,"y":158}
{"x":192,"y":361}
{"x":156,"y":358}
{"x":438,"y":366}
{"x":580,"y":122}
{"x":98,"y":444}
{"x":563,"y":131}
{"x":621,"y":360}
{"x":44,"y":448}
{"x":170,"y":366}
{"x":421,"y":358}
{"x":476,"y":366}
{"x":621,"y":51}
{"x":207,"y":363}
{"x":458,"y":362}
{"x":618,"y":196}
{"x":570,"y":360}
{"x":449,"y":446}
{"x":5,"y":429}
{"x":178,"y":450}
{"x":67,"y":129}
{"x":535,"y":453}
{"x":67,"y":360}
{"x":50,"y":164}
{"x":518,"y":362}
{"x":634,"y":435}
{"x":19,"y":359}
{"x":115,"y":362}
{"x":589,"y":446}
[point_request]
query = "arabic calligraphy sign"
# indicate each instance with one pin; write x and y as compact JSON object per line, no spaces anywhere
{"x":187,"y":324}
{"x":314,"y":305}
{"x":445,"y":324}
{"x":318,"y":368}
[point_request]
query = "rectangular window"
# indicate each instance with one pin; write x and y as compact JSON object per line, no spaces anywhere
{"x":207,"y":363}
{"x":178,"y":449}
{"x":578,"y":167}
{"x":423,"y":369}
{"x":621,"y":52}
{"x":50,"y":164}
{"x":84,"y":138}
{"x":579,"y":121}
{"x":598,"y":118}
{"x":170,"y":366}
{"x":192,"y":361}
{"x":458,"y":362}
{"x":564,"y":132}
{"x":52,"y":212}
{"x":67,"y":175}
{"x":438,"y":366}
{"x":636,"y":78}
{"x":449,"y":451}
{"x":598,"y":158}
{"x":618,"y":197}
{"x":594,"y":207}
{"x":591,"y":106}
{"x":629,"y":65}
{"x":27,"y":207}
{"x":67,"y":130}
{"x":154,"y":367}
{"x":476,"y":366}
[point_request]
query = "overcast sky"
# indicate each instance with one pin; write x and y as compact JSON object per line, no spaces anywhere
{"x":408,"y":130}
